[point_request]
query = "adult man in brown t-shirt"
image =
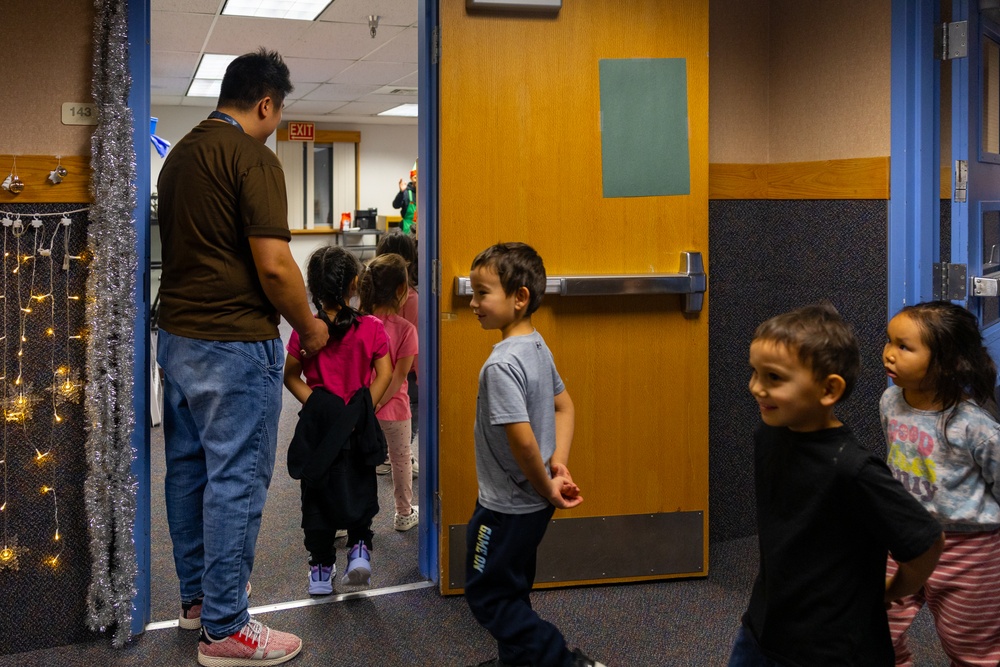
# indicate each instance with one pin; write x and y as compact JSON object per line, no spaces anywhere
{"x":228,"y":274}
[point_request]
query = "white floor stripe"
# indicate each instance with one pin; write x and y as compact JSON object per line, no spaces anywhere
{"x":309,"y":602}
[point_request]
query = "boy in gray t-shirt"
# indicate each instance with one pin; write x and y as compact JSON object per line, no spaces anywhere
{"x":524,"y":428}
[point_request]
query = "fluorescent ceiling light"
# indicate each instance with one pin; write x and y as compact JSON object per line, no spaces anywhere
{"x":409,"y":110}
{"x":205,"y":88}
{"x":208,"y":78}
{"x":303,"y":10}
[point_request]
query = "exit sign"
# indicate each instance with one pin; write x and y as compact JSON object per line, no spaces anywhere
{"x":301,"y":131}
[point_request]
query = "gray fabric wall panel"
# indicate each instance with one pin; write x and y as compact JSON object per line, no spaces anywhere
{"x":766,"y":257}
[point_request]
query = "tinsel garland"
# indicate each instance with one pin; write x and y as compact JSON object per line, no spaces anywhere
{"x":110,"y":488}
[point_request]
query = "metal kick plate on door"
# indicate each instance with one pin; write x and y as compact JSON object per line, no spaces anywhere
{"x":590,"y":548}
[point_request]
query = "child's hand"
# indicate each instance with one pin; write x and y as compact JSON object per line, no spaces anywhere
{"x":564,"y":494}
{"x":560,"y":470}
{"x":569,"y":490}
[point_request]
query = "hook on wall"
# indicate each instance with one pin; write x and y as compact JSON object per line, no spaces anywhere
{"x":373,"y":24}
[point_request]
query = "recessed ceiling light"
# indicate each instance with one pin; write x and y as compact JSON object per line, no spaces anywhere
{"x":205,"y":88}
{"x":402,"y":110}
{"x":208,"y":77}
{"x":303,"y":10}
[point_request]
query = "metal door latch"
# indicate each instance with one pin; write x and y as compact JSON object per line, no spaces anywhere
{"x":961,"y":180}
{"x":984,"y":286}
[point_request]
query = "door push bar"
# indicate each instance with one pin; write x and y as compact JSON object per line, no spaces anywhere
{"x":691,"y":281}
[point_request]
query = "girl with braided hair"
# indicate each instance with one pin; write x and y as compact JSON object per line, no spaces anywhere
{"x":338,"y":441}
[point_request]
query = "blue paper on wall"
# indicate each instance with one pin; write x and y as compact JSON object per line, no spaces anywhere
{"x":644,"y":127}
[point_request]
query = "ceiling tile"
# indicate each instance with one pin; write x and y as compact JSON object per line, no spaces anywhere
{"x":315,"y":70}
{"x":365,"y":108}
{"x":338,"y":40}
{"x":302,"y":90}
{"x":391,"y":100}
{"x":173,"y":64}
{"x":178,"y":31}
{"x":332,"y":61}
{"x":390,"y":12}
{"x":243,"y":34}
{"x":168,"y":85}
{"x":341,"y":92}
{"x":402,"y":48}
{"x":193,"y":6}
{"x":365,"y":72}
{"x":301,"y":108}
{"x":410,"y":81}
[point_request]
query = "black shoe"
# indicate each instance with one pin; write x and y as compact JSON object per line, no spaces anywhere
{"x":580,"y":659}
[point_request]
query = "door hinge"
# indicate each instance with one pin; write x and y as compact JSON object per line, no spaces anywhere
{"x":961,"y":180}
{"x":951,"y":40}
{"x":950,"y":282}
{"x":437,"y":508}
{"x":435,"y":276}
{"x":436,"y":45}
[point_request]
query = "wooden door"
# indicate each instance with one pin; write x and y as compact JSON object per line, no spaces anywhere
{"x":521,"y":160}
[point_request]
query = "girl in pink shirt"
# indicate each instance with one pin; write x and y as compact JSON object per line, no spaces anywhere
{"x":354,"y":361}
{"x":383,"y":291}
{"x":405,"y":246}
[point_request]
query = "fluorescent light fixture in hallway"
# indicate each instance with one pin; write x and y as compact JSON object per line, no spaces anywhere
{"x":208,"y":78}
{"x":409,"y":110}
{"x":302,"y":10}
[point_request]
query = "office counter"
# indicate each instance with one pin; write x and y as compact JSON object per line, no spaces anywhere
{"x":359,"y":241}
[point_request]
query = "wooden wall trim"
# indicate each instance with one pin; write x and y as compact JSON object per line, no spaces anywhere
{"x":327,"y":136}
{"x":34,"y":171}
{"x":857,"y":178}
{"x":945,"y":182}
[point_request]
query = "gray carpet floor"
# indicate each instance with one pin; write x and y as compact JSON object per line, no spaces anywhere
{"x":686,"y":623}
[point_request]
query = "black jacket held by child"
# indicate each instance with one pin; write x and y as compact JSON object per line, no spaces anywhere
{"x":333,"y":452}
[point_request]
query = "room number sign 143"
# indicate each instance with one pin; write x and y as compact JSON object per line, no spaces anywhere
{"x":77,"y":113}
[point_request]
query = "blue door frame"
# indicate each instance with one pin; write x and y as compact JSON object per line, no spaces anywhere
{"x":914,"y":204}
{"x":138,"y":101}
{"x":428,"y":85}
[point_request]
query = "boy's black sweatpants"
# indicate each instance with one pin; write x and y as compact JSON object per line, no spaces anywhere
{"x":499,"y":573}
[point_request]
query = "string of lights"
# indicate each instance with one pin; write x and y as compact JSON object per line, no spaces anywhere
{"x":21,"y":289}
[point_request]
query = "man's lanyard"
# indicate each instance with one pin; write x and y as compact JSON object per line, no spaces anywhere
{"x":218,"y":115}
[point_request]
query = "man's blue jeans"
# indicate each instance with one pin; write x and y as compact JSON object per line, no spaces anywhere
{"x":222,"y":401}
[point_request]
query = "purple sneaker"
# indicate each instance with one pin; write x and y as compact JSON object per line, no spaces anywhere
{"x":321,"y":579}
{"x":359,"y":566}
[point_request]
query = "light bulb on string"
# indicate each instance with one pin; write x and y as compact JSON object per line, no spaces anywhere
{"x":25,"y":259}
{"x":10,"y":554}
